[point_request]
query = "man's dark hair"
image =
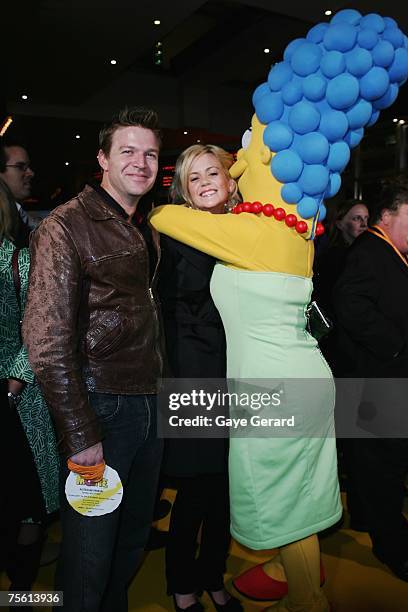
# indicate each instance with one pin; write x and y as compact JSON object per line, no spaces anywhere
{"x":128,"y":117}
{"x":393,"y":194}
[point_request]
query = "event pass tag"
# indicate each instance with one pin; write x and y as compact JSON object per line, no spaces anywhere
{"x":100,"y":498}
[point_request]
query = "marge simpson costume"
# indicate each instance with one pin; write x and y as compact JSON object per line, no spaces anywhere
{"x":312,"y":109}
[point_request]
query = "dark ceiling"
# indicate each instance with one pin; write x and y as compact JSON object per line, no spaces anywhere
{"x":58,"y":53}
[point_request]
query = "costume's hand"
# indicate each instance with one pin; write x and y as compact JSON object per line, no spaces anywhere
{"x":90,"y":456}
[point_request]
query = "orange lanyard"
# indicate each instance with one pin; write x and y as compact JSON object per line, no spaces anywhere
{"x":379,"y":232}
{"x":92,"y":473}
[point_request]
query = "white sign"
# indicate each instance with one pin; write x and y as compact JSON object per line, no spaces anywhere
{"x":100,"y":498}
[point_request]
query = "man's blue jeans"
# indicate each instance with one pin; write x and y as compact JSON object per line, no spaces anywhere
{"x":101,"y":554}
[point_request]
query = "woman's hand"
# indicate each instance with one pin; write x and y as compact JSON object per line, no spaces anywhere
{"x":15,"y":386}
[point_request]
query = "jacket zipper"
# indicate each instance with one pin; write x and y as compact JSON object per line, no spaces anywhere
{"x":153,"y":301}
{"x":150,"y":294}
{"x":114,"y":256}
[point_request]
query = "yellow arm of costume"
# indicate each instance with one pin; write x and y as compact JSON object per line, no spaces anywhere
{"x":246,"y":241}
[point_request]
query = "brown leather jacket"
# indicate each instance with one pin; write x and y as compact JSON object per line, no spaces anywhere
{"x":91,"y":321}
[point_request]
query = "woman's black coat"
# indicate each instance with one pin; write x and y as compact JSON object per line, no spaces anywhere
{"x":195,"y":346}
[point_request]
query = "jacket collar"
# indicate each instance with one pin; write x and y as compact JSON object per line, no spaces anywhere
{"x":96,"y":206}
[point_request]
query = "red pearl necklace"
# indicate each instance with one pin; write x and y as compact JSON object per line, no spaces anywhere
{"x":280,"y":215}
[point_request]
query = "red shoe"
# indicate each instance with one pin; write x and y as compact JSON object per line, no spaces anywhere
{"x":257,"y":585}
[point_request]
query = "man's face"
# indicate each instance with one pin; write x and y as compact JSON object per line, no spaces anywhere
{"x":396,"y":226}
{"x":130,"y":168}
{"x":18,"y":174}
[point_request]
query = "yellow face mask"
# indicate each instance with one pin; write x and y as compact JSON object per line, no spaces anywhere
{"x":252,"y":171}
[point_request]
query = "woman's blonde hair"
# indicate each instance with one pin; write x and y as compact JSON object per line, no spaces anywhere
{"x":8,"y":214}
{"x":179,"y":191}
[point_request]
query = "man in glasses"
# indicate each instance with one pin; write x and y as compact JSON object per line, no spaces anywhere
{"x":16,"y":172}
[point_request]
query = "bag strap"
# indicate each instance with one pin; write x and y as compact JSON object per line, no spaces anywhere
{"x":17,"y":283}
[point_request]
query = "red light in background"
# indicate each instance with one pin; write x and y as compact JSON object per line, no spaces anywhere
{"x":167,"y":176}
{"x":166,"y":181}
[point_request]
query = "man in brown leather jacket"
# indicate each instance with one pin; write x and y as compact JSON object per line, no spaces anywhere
{"x":92,"y":331}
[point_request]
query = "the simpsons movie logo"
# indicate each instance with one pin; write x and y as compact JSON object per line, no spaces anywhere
{"x":103,"y":484}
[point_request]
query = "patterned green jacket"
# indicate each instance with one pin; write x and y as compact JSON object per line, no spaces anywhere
{"x":14,"y":363}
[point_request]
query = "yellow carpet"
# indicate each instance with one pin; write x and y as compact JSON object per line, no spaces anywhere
{"x":355,"y":580}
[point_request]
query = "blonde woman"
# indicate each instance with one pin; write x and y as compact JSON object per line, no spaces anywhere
{"x":196,"y":349}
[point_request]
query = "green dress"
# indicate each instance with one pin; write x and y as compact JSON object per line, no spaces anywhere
{"x":283,"y":482}
{"x":14,"y":363}
{"x":282,"y":488}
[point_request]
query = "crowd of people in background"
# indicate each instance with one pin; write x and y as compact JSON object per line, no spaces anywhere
{"x":27,"y":436}
{"x":84,"y":345}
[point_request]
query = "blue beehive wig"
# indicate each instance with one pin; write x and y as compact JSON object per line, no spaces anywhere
{"x":318,"y":100}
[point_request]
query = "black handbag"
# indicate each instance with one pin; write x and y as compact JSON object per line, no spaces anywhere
{"x":318,"y":323}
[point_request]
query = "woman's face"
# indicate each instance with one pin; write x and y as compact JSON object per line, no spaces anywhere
{"x":208,"y":186}
{"x":353,"y":223}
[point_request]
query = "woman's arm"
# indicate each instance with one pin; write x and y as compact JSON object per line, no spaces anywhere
{"x":20,"y":367}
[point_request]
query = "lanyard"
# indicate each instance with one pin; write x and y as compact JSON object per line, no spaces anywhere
{"x":379,"y":232}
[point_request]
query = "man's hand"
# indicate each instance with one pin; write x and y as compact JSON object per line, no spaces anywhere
{"x":90,"y":456}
